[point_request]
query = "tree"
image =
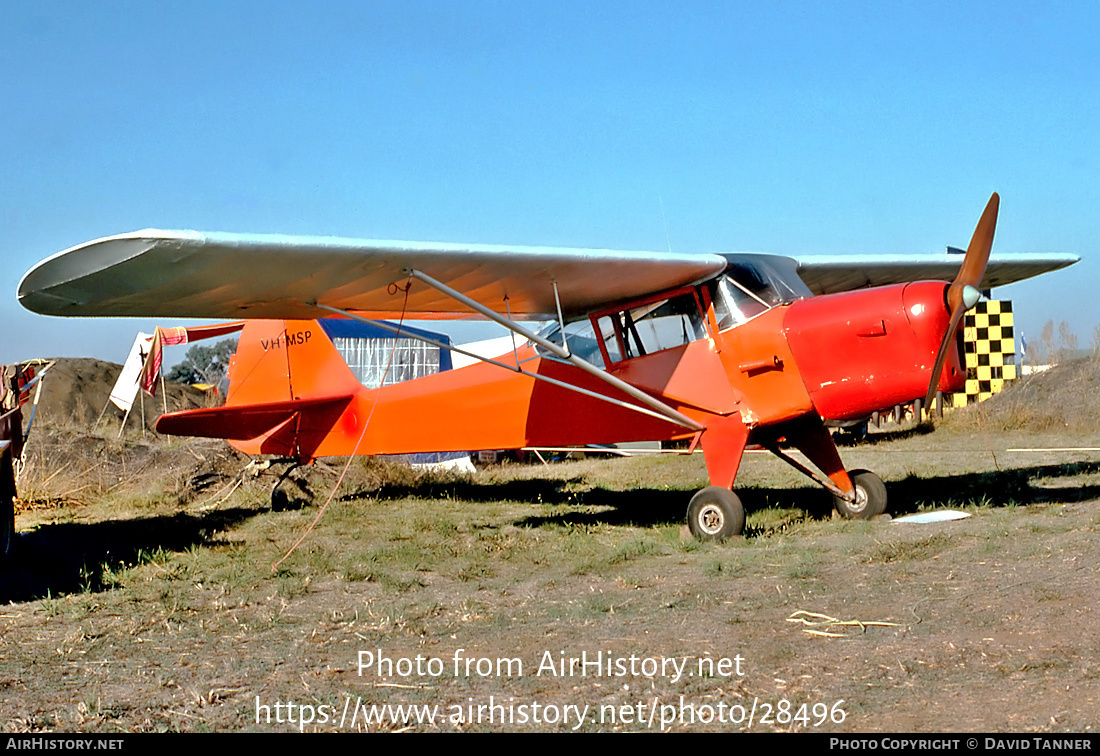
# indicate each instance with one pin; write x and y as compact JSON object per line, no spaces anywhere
{"x":1067,"y":342}
{"x":1047,"y":340}
{"x":204,"y":364}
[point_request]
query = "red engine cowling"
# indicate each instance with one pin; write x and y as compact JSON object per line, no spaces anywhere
{"x":863,"y":351}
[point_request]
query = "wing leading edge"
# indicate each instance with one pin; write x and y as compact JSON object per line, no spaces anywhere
{"x":155,"y":273}
{"x":834,"y":273}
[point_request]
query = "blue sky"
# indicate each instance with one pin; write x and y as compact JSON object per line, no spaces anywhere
{"x":786,"y":127}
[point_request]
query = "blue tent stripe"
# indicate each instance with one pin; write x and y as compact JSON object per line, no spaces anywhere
{"x":346,"y":328}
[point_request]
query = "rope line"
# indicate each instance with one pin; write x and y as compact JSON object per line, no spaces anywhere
{"x":366,"y":424}
{"x":824,"y":625}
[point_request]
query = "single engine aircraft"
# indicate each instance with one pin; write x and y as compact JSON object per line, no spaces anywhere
{"x":717,"y":349}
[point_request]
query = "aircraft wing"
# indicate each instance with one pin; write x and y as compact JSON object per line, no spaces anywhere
{"x":156,"y":273}
{"x":826,"y":274}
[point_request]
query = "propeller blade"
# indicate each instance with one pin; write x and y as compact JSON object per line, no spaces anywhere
{"x":977,"y":254}
{"x":941,"y":355}
{"x":961,"y":294}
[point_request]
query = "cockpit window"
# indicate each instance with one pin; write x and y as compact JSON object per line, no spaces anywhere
{"x":661,"y":325}
{"x":734,"y":305}
{"x":751,"y":285}
{"x":580,"y":337}
{"x":634,"y":332}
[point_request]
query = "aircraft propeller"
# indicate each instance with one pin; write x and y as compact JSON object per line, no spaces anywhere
{"x":963,"y":292}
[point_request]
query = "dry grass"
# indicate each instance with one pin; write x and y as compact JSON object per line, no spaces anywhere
{"x":144,"y":596}
{"x":1062,"y":399}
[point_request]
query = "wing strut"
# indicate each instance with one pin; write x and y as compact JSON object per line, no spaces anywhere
{"x":669,"y":415}
{"x":397,"y":331}
{"x":660,"y":407}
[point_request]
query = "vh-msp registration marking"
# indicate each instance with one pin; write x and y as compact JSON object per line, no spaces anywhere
{"x":286,"y":339}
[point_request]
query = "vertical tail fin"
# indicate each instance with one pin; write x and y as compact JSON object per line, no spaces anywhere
{"x":285,"y":360}
{"x":288,"y":387}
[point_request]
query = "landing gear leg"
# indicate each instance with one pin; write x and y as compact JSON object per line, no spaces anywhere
{"x":857,"y":495}
{"x":715,"y":513}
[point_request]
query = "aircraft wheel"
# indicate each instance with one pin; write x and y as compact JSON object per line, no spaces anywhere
{"x":715,"y":514}
{"x":7,"y":527}
{"x":7,"y":508}
{"x":870,"y":497}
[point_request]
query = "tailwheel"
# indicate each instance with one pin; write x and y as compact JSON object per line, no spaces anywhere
{"x":870,"y":497}
{"x":281,"y":500}
{"x":715,"y":514}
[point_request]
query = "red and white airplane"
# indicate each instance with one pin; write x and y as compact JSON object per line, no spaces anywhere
{"x":721,"y":349}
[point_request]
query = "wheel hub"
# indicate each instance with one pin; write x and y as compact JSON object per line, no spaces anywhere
{"x":860,"y":502}
{"x":711,"y":519}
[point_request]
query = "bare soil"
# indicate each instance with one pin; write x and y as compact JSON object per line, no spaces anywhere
{"x":143,"y":596}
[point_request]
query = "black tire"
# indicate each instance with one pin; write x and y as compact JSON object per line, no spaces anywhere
{"x":870,"y":497}
{"x":715,"y":514}
{"x":7,"y":507}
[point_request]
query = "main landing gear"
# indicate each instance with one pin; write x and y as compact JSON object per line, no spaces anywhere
{"x":715,"y":514}
{"x":870,"y":497}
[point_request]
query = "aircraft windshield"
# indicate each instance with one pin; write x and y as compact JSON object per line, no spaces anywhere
{"x":752,"y":286}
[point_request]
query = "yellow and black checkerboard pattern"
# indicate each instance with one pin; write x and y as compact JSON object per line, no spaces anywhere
{"x":990,"y":351}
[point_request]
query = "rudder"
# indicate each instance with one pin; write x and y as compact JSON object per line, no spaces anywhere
{"x":283,"y":360}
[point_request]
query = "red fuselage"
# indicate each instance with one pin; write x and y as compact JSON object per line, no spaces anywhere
{"x":863,"y":351}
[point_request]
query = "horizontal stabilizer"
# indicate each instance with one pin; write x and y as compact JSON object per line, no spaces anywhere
{"x":248,"y":421}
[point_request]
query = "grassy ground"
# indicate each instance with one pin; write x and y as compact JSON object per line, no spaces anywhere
{"x":153,"y":591}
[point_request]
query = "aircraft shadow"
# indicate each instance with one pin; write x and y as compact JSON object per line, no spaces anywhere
{"x":847,"y":440}
{"x":55,"y":560}
{"x":65,"y":558}
{"x":647,"y":507}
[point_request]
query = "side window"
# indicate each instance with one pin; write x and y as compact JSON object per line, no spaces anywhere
{"x":664,"y":325}
{"x":633,"y":331}
{"x":652,"y":327}
{"x":581,"y":339}
{"x":610,"y":335}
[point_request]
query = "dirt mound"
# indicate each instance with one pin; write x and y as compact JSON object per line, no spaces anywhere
{"x":1066,"y":397}
{"x":77,"y":449}
{"x":76,"y":390}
